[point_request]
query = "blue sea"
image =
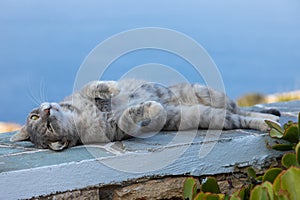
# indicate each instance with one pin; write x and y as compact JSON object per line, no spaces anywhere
{"x":255,"y":46}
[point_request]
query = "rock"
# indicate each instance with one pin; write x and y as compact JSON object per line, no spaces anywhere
{"x":9,"y":127}
{"x":167,"y":188}
{"x":150,"y":168}
{"x":92,"y":194}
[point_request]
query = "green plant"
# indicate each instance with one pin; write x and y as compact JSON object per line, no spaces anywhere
{"x":288,"y":135}
{"x":189,"y":188}
{"x":274,"y":184}
{"x":209,"y":190}
{"x":277,"y":183}
{"x":284,"y":186}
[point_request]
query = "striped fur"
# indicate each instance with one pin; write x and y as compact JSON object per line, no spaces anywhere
{"x":104,"y":111}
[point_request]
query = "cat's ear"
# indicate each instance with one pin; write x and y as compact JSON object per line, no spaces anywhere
{"x":59,"y":145}
{"x":21,"y":135}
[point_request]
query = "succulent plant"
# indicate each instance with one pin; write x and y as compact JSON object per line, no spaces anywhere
{"x":274,"y":184}
{"x":286,"y":185}
{"x":209,"y":190}
{"x":189,"y":188}
{"x":290,"y":133}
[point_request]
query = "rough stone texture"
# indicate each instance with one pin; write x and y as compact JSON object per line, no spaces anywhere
{"x":108,"y":168}
{"x":168,"y":188}
{"x":91,"y":194}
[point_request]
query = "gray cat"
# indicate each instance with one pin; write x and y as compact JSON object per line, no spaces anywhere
{"x":105,"y":111}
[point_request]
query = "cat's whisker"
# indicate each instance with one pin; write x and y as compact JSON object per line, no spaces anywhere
{"x":40,"y":91}
{"x":33,"y":98}
{"x":39,"y":98}
{"x":43,"y":91}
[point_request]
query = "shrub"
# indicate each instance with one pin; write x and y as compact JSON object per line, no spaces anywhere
{"x":276,"y":183}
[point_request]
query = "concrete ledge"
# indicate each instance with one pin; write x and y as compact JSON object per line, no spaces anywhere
{"x":26,"y":172}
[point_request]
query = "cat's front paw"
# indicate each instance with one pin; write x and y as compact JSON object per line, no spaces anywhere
{"x":264,"y":127}
{"x":102,"y":89}
{"x":259,"y":124}
{"x":144,"y":113}
{"x":152,"y":109}
{"x":147,"y":117}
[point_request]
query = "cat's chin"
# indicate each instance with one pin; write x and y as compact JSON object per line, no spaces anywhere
{"x":59,"y":145}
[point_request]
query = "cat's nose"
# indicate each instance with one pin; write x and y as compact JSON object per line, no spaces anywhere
{"x":47,"y":110}
{"x":46,"y":107}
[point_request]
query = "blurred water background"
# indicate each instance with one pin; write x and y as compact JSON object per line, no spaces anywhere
{"x":255,"y":44}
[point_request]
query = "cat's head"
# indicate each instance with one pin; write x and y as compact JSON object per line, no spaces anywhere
{"x":48,"y":126}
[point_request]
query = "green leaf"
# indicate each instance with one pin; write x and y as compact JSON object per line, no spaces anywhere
{"x":189,"y":188}
{"x":286,"y":125}
{"x":251,"y":173}
{"x":283,"y":147}
{"x":289,"y":159}
{"x":222,"y":196}
{"x":210,"y":185}
{"x":259,"y":178}
{"x":269,"y":187}
{"x":235,"y":196}
{"x":259,"y":193}
{"x":226,"y":197}
{"x":290,"y":181}
{"x":271,"y":174}
{"x":274,"y":125}
{"x":283,"y":197}
{"x":209,"y":196}
{"x":291,"y":134}
{"x":200,"y":196}
{"x":212,"y":197}
{"x":242,"y":193}
{"x":287,"y":184}
{"x":275,"y":134}
{"x":277,"y":183}
{"x":297,"y":149}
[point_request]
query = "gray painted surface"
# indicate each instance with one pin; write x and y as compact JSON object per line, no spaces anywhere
{"x":26,"y":172}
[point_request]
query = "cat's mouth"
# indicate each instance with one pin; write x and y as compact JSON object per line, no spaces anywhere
{"x":58,"y":145}
{"x":49,"y":126}
{"x":48,"y":110}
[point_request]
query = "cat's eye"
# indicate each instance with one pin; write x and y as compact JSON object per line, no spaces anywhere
{"x":34,"y":117}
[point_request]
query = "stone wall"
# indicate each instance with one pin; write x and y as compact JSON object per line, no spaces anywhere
{"x":164,"y":188}
{"x":150,"y":168}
